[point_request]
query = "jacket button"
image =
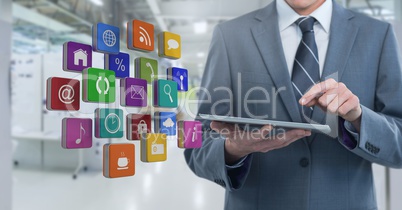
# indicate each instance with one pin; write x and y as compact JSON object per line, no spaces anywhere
{"x":304,"y":162}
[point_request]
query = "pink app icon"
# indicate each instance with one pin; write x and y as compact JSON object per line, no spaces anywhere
{"x":76,"y":133}
{"x":190,"y":134}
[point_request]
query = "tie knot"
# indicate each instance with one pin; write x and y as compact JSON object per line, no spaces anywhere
{"x":306,"y":24}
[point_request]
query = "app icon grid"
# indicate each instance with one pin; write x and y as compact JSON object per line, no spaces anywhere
{"x":99,"y":86}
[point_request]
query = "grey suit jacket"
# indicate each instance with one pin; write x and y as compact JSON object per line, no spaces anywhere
{"x":246,"y":61}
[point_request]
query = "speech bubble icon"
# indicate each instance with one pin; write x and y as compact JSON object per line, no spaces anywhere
{"x":173,"y":44}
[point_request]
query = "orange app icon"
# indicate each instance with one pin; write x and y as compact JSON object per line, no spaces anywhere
{"x":118,"y":160}
{"x":140,"y":35}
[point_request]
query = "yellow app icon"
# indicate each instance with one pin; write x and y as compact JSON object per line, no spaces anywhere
{"x":169,"y":45}
{"x":153,"y":147}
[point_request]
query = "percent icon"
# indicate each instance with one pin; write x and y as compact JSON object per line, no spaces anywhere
{"x":119,"y":62}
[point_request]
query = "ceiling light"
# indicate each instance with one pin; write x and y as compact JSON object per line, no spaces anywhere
{"x":200,"y":27}
{"x":97,"y":2}
{"x":200,"y":54}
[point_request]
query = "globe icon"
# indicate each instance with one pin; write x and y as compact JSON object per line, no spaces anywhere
{"x":109,"y":38}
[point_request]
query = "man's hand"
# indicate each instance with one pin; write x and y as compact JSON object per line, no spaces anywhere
{"x":240,"y":143}
{"x":335,"y":98}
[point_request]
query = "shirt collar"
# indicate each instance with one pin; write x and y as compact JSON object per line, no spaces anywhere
{"x":287,"y":16}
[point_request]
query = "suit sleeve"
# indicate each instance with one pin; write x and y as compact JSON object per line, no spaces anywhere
{"x":215,"y":97}
{"x":380,"y":138}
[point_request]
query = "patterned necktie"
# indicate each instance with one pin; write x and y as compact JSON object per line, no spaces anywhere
{"x":306,"y":70}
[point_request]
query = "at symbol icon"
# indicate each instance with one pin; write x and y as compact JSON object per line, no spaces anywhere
{"x":66,"y":94}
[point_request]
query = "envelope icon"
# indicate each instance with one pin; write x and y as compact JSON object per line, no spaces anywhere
{"x":137,"y":92}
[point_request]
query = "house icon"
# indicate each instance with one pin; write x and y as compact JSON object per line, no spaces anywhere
{"x":80,"y":55}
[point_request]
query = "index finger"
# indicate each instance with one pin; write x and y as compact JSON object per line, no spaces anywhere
{"x":318,"y":90}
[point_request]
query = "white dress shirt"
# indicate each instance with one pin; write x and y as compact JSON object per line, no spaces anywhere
{"x":291,"y":34}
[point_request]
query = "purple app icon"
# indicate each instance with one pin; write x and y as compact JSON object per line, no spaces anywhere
{"x":76,"y":56}
{"x":133,"y":92}
{"x":192,"y":134}
{"x":77,"y":133}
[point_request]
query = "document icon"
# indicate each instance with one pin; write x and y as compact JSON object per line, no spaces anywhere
{"x":153,"y":147}
{"x":137,"y":92}
{"x":158,"y":149}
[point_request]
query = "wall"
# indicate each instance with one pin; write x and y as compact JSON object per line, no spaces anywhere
{"x":395,"y":189}
{"x":5,"y":142}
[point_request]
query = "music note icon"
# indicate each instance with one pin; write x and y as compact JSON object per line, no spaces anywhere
{"x":71,"y":139}
{"x":78,"y":141}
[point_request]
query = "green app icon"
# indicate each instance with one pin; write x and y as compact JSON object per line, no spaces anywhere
{"x":146,"y":68}
{"x":108,"y":123}
{"x":165,"y":93}
{"x":99,"y":85}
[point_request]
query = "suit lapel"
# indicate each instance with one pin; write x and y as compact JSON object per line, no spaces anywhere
{"x":267,"y":38}
{"x":341,"y":40}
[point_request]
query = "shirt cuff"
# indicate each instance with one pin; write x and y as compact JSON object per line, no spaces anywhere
{"x":349,"y":134}
{"x":238,"y":171}
{"x":239,"y":164}
{"x":351,"y":129}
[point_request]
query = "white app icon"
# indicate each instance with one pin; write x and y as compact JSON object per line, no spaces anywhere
{"x":181,"y":77}
{"x":151,"y":68}
{"x":79,"y":140}
{"x":168,"y":91}
{"x":122,"y":162}
{"x":137,"y":92}
{"x":80,"y":55}
{"x":142,"y":127}
{"x":109,"y":38}
{"x":158,"y":149}
{"x":168,"y":123}
{"x":145,"y":37}
{"x":173,"y":44}
{"x":112,"y":123}
{"x":66,"y":94}
{"x":98,"y":87}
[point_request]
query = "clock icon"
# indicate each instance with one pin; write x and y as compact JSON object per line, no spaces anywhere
{"x":112,"y":123}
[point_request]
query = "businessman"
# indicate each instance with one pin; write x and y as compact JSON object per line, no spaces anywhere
{"x":306,"y":61}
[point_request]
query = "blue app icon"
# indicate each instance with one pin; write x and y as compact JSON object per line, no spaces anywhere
{"x":106,"y":38}
{"x":166,"y":123}
{"x":119,"y":63}
{"x":180,"y":76}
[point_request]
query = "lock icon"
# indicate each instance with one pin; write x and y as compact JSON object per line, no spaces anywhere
{"x":142,"y":127}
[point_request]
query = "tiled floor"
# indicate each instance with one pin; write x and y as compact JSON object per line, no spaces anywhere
{"x":156,"y":186}
{"x":166,"y":185}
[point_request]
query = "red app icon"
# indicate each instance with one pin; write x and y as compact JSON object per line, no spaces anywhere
{"x":62,"y":94}
{"x":138,"y":124}
{"x":140,"y":35}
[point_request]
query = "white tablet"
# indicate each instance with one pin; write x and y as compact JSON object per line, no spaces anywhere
{"x":250,"y":121}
